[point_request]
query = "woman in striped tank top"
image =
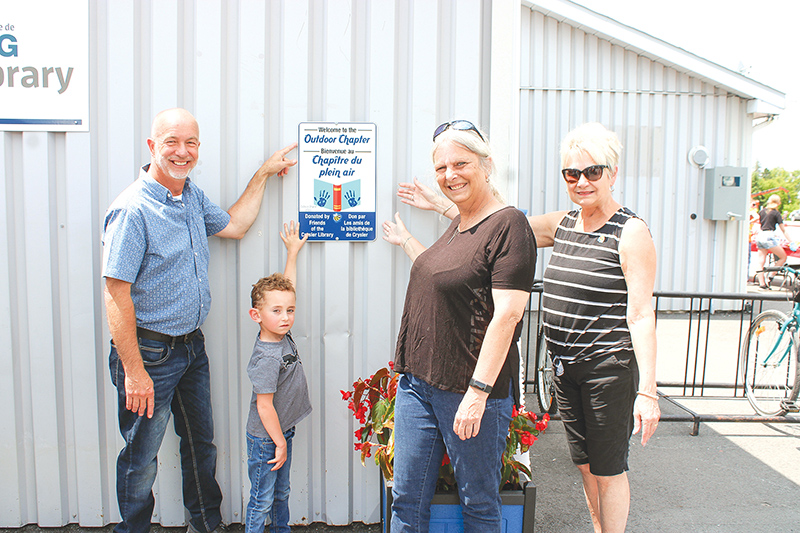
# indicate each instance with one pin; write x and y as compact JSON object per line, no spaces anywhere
{"x":599,"y":321}
{"x":599,"y":318}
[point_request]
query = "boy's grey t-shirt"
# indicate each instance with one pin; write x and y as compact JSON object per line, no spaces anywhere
{"x":275,"y":368}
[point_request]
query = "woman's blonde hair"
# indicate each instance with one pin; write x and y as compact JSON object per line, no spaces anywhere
{"x":472,"y":142}
{"x":773,"y":201}
{"x":594,"y":139}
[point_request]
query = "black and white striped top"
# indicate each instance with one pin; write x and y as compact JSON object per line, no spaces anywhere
{"x":585,"y":294}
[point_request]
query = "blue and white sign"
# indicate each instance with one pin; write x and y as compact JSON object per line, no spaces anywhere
{"x":44,"y":65}
{"x":336,"y":180}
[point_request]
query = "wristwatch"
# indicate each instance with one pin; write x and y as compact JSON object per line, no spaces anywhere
{"x":474,"y":383}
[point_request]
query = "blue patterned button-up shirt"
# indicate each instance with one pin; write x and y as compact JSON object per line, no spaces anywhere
{"x":159,"y":244}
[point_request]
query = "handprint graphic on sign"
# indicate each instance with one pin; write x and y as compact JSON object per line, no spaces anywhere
{"x":352,"y":201}
{"x":323,"y":198}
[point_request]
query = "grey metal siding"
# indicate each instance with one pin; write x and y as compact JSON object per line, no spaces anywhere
{"x":250,"y":71}
{"x":570,"y":77}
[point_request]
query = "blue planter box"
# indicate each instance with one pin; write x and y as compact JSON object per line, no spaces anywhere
{"x":519,"y":510}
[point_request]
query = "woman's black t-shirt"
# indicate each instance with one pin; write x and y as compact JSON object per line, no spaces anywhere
{"x":449,"y":300}
{"x":769,"y":219}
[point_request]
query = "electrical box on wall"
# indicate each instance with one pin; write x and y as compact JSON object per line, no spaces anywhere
{"x":726,"y":193}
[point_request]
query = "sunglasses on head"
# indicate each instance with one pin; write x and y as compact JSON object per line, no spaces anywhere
{"x":592,"y":173}
{"x":463,"y":125}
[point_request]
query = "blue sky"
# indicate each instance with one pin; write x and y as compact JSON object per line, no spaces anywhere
{"x":760,"y":36}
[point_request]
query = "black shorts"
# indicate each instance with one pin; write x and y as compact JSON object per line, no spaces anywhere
{"x":595,"y":400}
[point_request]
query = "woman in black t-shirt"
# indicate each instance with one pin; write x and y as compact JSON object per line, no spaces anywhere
{"x":768,"y":240}
{"x":599,"y":319}
{"x":456,"y":349}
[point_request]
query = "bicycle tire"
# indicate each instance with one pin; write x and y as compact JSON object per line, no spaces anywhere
{"x":545,"y":387}
{"x":769,"y":379}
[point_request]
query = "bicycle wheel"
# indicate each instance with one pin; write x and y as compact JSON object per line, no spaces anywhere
{"x":545,"y":388}
{"x":768,"y":364}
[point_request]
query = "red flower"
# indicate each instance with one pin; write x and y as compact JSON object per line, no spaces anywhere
{"x":445,"y":459}
{"x":391,"y":365}
{"x":542,"y":425}
{"x":346,"y":395}
{"x":358,"y":446}
{"x":531,"y":416}
{"x":514,"y":412}
{"x":527,"y":438}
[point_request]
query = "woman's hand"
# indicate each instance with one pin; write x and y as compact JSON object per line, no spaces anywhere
{"x":646,"y":414}
{"x":467,"y":423}
{"x":421,"y":196}
{"x":395,"y":232}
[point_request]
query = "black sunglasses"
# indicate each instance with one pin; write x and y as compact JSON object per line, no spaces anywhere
{"x":463,"y":125}
{"x":592,"y":173}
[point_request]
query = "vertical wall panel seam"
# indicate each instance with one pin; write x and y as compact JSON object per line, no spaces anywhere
{"x":11,"y":145}
{"x":61,"y":360}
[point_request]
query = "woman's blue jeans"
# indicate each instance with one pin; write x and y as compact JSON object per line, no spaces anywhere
{"x":181,"y":383}
{"x":423,"y":429}
{"x":269,"y":489}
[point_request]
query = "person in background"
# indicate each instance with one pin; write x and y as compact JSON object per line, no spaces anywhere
{"x":768,"y":240}
{"x":457,"y":349}
{"x":599,"y":319}
{"x":157,"y":295}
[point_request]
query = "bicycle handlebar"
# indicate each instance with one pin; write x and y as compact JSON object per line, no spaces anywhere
{"x":781,"y":269}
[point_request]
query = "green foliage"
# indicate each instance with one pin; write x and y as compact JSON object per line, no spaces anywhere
{"x":765,"y":179}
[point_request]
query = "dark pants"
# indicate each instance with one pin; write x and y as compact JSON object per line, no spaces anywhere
{"x":595,"y":401}
{"x":182,"y":386}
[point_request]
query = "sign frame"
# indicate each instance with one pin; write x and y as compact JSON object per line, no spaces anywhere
{"x":337,"y":181}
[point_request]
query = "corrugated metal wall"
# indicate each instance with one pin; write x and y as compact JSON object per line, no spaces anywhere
{"x":251,"y":71}
{"x":570,"y":77}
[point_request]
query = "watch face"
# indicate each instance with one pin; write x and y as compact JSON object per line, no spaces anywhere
{"x":480,"y":386}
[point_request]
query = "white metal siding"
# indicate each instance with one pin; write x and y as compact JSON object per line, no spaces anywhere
{"x":250,"y":71}
{"x":570,"y":77}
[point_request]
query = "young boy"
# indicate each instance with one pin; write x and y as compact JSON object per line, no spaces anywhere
{"x":280,"y":394}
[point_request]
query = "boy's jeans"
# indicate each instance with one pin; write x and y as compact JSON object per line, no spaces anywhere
{"x":424,"y":418}
{"x":269,"y":489}
{"x":181,"y":383}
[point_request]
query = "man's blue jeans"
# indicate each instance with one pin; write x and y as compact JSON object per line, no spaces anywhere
{"x":269,"y":489}
{"x":181,"y":383}
{"x":423,"y":428}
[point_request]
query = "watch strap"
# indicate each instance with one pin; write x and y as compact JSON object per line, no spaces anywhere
{"x":474,"y":383}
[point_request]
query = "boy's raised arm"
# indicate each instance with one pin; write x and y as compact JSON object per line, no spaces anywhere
{"x":291,"y":238}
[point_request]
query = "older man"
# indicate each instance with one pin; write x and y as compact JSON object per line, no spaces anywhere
{"x":155,"y":262}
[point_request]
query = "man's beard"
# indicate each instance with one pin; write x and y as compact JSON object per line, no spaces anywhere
{"x":164,"y":164}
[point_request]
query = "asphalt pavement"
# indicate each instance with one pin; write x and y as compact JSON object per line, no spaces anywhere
{"x":731,"y":477}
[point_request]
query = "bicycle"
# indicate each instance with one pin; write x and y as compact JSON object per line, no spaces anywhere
{"x":768,"y":360}
{"x":543,"y":379}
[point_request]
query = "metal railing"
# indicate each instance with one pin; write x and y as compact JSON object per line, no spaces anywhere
{"x":709,"y":360}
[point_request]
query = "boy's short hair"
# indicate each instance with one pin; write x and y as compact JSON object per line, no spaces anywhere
{"x":275,"y":282}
